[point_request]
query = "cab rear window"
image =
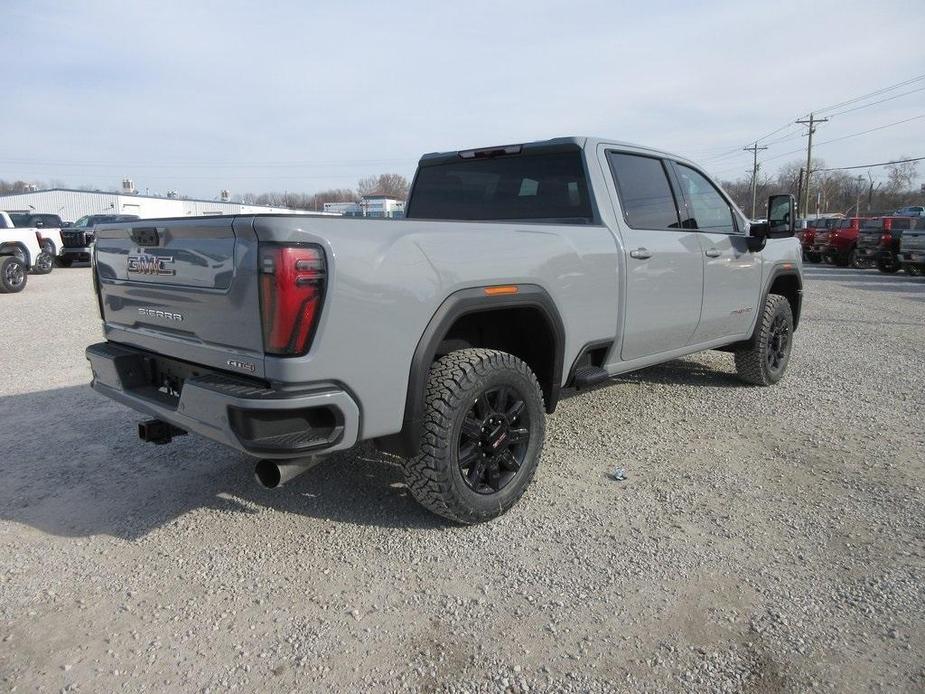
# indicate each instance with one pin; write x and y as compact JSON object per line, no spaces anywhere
{"x":542,"y":187}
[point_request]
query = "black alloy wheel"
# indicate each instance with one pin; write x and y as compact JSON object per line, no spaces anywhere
{"x":494,"y":440}
{"x":778,"y":344}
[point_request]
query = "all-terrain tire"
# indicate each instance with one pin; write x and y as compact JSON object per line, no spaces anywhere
{"x":763,"y":361}
{"x":13,"y":274}
{"x":456,"y":384}
{"x":814,"y":258}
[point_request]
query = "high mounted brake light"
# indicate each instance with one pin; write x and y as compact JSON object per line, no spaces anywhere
{"x":489,"y":152}
{"x":292,"y":283}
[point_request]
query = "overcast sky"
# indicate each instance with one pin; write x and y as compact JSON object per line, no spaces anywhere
{"x":302,"y":96}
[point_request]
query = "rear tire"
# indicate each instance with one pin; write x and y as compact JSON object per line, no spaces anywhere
{"x":814,"y":258}
{"x":13,"y":274}
{"x":764,"y":360}
{"x":484,"y":426}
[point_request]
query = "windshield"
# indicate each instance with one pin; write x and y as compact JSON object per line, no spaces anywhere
{"x":83,"y":221}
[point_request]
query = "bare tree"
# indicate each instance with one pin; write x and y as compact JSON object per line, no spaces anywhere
{"x":391,"y":184}
{"x":901,"y":175}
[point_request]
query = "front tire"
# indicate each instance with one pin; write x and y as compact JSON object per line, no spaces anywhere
{"x":764,"y":360}
{"x":484,"y":426}
{"x":13,"y":274}
{"x":912,"y":269}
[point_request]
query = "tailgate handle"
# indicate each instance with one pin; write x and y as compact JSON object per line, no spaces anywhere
{"x":146,"y":236}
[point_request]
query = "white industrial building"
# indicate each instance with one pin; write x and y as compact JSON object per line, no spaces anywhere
{"x":71,"y":205}
{"x":369,"y":206}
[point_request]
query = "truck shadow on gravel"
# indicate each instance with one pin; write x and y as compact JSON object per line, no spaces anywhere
{"x":88,"y":474}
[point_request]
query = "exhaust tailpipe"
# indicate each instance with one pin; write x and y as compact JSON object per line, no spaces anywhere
{"x":271,"y":474}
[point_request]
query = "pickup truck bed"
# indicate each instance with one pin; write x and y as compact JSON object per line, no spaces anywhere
{"x":521,"y":270}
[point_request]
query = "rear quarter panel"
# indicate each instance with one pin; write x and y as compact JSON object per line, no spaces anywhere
{"x":387,"y":279}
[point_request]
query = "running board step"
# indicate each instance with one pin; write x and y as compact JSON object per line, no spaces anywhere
{"x":587,"y":376}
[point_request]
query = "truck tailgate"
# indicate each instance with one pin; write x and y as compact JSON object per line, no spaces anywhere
{"x":184,"y":288}
{"x":914,"y":240}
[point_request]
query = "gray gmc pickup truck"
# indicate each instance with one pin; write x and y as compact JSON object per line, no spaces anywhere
{"x":447,"y":337}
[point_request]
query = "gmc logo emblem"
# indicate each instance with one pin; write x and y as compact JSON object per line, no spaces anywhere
{"x":150,"y":265}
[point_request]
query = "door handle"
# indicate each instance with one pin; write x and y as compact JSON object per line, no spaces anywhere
{"x":640,"y":254}
{"x":712,"y":253}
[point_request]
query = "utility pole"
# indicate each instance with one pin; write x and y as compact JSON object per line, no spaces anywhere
{"x":811,"y":122}
{"x":754,"y":150}
{"x":857,"y":207}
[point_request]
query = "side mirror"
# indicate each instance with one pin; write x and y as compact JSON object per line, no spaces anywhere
{"x":781,"y":216}
{"x":758,"y":233}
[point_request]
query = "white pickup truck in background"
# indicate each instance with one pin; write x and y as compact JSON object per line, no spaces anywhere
{"x":49,"y":226}
{"x":20,"y":253}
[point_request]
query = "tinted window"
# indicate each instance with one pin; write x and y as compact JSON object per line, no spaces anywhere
{"x":708,"y":210}
{"x":872,"y":224}
{"x":20,"y":219}
{"x":902,"y":224}
{"x":645,"y":193}
{"x":919,"y":224}
{"x":549,"y":186}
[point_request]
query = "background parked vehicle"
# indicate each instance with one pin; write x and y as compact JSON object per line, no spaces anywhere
{"x":910,"y":211}
{"x":836,"y":244}
{"x":20,"y":254}
{"x":912,"y":249}
{"x":50,"y":226}
{"x":78,"y":239}
{"x":878,"y":242}
{"x":808,"y":237}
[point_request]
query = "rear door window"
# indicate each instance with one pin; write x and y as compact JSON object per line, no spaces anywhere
{"x":644,"y":191}
{"x":547,"y":186}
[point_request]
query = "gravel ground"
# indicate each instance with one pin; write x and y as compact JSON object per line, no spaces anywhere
{"x":763,"y":540}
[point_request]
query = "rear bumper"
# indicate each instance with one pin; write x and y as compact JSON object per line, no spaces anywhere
{"x":241,"y":414}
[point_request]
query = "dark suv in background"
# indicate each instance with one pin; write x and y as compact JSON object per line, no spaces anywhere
{"x":78,"y":238}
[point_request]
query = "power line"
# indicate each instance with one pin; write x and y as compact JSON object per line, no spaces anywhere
{"x":874,"y":103}
{"x":864,"y":132}
{"x":869,"y":166}
{"x":917,"y":78}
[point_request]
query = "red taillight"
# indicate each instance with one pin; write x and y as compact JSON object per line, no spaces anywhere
{"x":292,"y":281}
{"x":886,"y":238}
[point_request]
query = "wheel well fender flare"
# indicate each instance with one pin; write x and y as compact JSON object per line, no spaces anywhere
{"x":463,"y":303}
{"x":789,"y":279}
{"x":10,"y":247}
